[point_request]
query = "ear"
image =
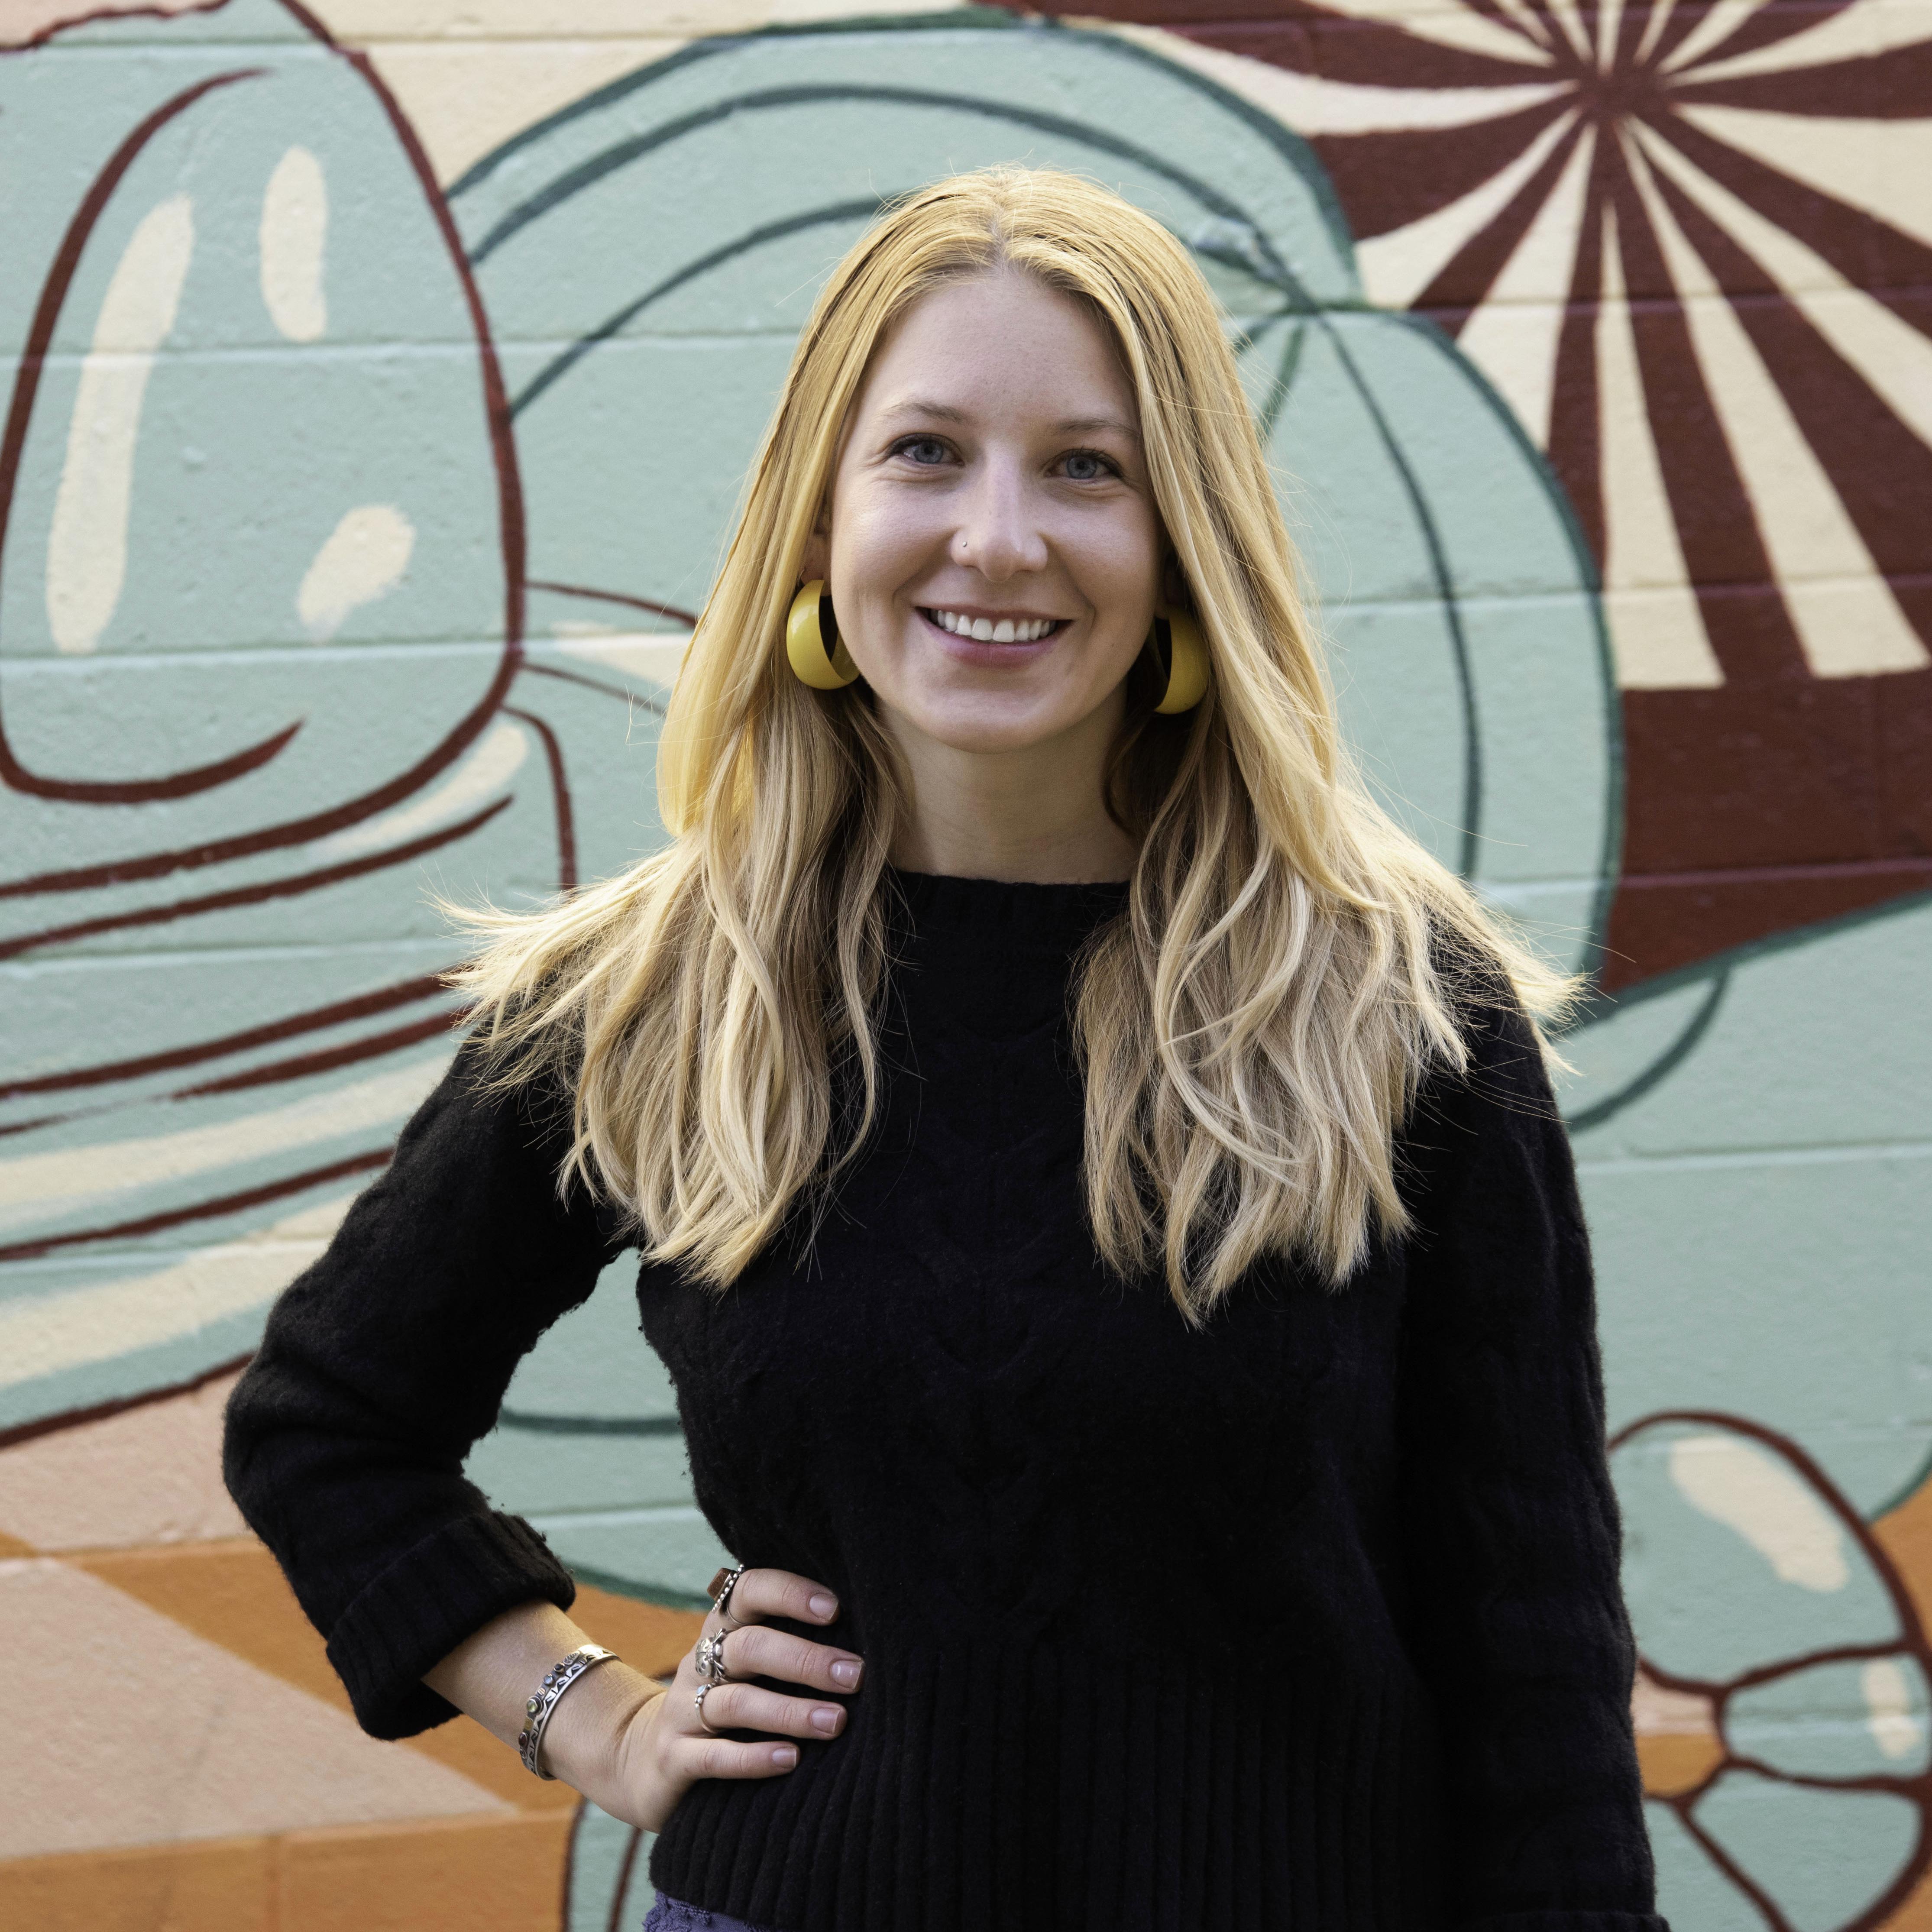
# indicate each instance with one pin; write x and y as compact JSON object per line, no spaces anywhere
{"x":817,"y":561}
{"x":1173,"y":582}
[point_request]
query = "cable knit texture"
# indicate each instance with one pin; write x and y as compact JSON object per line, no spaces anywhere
{"x":1307,"y":1620}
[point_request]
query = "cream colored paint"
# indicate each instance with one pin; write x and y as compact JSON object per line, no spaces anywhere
{"x":1397,"y":267}
{"x":151,"y":1474}
{"x":1569,"y":19}
{"x":1735,"y":1482}
{"x":1896,"y":1727}
{"x":363,"y":557}
{"x":645,"y":655}
{"x":293,"y":241}
{"x":1881,"y":167}
{"x":1311,"y":105}
{"x":464,"y":98}
{"x":1609,"y":24}
{"x":490,"y":764}
{"x":1657,"y":631}
{"x":470,"y":73}
{"x":1513,"y":335}
{"x":1848,"y":622}
{"x":144,"y":1733}
{"x":87,"y":541}
{"x":1659,"y":18}
{"x":53,"y":1332}
{"x":36,"y":1185}
{"x":1886,"y":350}
{"x":1867,"y":27}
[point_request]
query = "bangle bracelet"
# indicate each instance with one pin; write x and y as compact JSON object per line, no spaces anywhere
{"x":585,"y":1657}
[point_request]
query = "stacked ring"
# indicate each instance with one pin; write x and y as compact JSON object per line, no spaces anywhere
{"x":722,"y":1585}
{"x":697,"y":1704}
{"x":710,"y":1659}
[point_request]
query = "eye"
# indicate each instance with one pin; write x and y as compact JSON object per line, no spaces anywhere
{"x":926,"y":451}
{"x":1089,"y":465}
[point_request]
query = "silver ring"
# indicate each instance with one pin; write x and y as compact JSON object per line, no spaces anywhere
{"x":697,"y":1705}
{"x":722,"y":1585}
{"x":710,"y":1656}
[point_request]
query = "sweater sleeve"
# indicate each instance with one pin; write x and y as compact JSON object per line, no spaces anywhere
{"x":383,"y":1362}
{"x":1510,"y":1520}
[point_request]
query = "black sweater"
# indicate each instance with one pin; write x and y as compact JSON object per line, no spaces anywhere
{"x":1307,"y":1620}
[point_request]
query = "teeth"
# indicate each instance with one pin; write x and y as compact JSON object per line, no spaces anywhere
{"x":986,"y":631}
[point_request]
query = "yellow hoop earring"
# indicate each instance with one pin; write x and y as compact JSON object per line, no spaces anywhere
{"x":817,"y":652}
{"x":1181,"y":652}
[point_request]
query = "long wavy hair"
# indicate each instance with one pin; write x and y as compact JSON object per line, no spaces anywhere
{"x":1254,"y":1027}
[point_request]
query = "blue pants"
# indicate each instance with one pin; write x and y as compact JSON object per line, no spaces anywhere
{"x":672,"y":1914}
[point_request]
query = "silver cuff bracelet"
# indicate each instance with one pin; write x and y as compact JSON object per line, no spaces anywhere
{"x":537,"y":1712}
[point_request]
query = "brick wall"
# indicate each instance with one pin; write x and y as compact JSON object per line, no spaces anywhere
{"x":380,"y":378}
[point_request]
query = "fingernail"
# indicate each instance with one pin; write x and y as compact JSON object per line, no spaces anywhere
{"x":785,"y":1757}
{"x":846,"y":1673}
{"x":825,"y":1607}
{"x":824,"y":1719}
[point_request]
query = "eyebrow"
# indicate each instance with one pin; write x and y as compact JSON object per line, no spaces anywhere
{"x":1070,"y":425}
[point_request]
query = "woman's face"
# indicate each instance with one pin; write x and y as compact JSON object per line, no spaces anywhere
{"x":993,"y":553}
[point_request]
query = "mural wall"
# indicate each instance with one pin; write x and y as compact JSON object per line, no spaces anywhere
{"x":379,"y":379}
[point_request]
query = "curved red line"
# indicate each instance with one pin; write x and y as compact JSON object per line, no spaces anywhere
{"x":275,"y":889}
{"x":656,"y":610}
{"x":496,"y":396}
{"x":13,"y":446}
{"x":99,"y":1411}
{"x":404,"y":993}
{"x":327,"y":1059}
{"x":512,"y":536}
{"x":203,"y":1211}
{"x":560,"y":792}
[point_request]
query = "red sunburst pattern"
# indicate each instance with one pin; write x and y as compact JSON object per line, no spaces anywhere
{"x":1691,"y":243}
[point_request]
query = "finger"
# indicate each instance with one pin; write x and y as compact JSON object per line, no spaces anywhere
{"x":781,"y":1593}
{"x":748,"y":1707}
{"x":726,"y":1757}
{"x":757,"y":1650}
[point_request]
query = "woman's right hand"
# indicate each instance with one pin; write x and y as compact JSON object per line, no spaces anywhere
{"x":662,"y":1747}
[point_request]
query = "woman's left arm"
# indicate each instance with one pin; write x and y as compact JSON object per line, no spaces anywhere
{"x":1511,"y":1523}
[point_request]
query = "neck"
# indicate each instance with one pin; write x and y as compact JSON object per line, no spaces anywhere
{"x":1033,"y":814}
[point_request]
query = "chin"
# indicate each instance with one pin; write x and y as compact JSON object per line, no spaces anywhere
{"x":990,"y":726}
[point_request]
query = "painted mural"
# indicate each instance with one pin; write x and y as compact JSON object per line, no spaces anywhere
{"x":380,"y":379}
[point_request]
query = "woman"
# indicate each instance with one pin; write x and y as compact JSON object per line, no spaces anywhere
{"x":1101,"y":1204}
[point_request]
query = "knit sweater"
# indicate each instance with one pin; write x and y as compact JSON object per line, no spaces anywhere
{"x":1307,"y":1619}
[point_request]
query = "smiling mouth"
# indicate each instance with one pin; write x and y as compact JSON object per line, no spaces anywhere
{"x":993,"y":631}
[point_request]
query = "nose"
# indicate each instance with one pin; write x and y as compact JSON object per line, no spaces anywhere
{"x":998,"y":533}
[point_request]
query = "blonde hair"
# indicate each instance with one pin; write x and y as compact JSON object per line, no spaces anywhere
{"x":1253,"y":1028}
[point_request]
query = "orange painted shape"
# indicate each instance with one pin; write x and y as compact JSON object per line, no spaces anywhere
{"x":460,"y":1876}
{"x":210,"y":1884}
{"x":1905,"y":1535}
{"x":12,"y":1546}
{"x":1678,"y":1746}
{"x":1673,"y":1762}
{"x":233,"y":1593}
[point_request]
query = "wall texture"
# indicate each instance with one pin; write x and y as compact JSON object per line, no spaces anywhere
{"x":380,"y":380}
